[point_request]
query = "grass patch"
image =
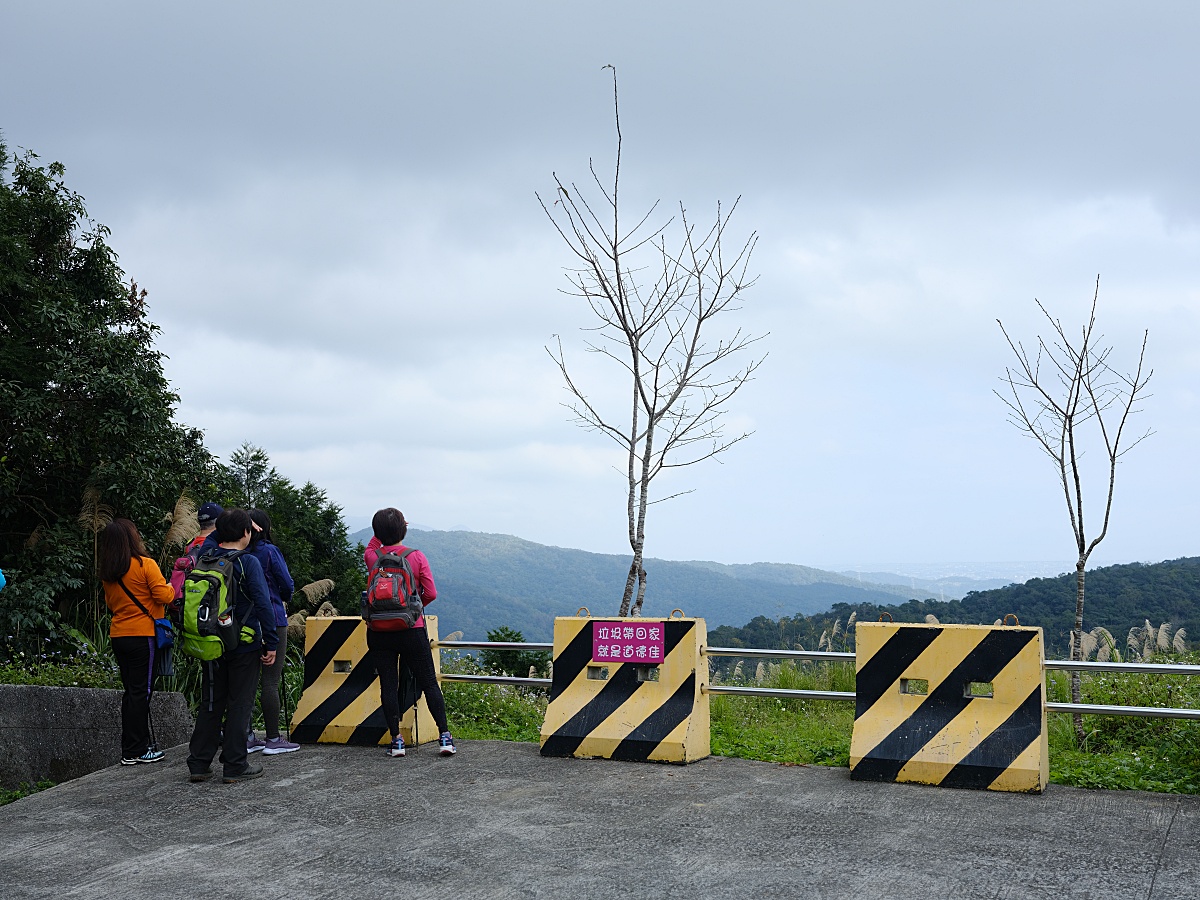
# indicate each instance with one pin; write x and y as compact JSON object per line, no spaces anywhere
{"x":783,"y":731}
{"x":498,"y":712}
{"x":1128,"y":752}
{"x":805,"y":732}
{"x":23,"y":790}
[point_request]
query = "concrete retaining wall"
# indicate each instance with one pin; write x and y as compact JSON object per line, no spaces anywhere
{"x":62,"y":733}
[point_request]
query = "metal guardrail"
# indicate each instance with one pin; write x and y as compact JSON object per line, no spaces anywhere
{"x":492,"y":645}
{"x":1063,"y":665}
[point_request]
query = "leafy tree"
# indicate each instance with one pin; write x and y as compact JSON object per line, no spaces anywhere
{"x":305,"y":525}
{"x":253,"y":473}
{"x":84,"y":403}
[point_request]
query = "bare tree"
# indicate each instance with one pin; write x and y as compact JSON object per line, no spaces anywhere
{"x":655,"y":292}
{"x":1066,"y":388}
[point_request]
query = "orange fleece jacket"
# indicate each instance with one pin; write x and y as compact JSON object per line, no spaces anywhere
{"x":145,"y":580}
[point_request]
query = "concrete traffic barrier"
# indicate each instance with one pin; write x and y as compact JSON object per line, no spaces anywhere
{"x":340,"y":703}
{"x":628,"y":689}
{"x":952,"y":705}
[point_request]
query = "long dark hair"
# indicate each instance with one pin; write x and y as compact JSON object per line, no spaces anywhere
{"x":119,"y":544}
{"x":263,"y":521}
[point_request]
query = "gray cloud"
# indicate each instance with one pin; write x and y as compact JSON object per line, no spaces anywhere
{"x":340,"y":202}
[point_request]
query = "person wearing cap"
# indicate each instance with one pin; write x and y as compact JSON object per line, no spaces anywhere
{"x":206,"y":515}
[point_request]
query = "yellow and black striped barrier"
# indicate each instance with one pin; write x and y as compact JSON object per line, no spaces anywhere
{"x":340,"y":703}
{"x":636,"y":696}
{"x":952,"y":705}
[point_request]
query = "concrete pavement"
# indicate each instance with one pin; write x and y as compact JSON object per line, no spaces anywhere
{"x":498,"y":821}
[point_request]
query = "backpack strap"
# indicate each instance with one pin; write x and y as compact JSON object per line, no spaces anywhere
{"x":121,"y":582}
{"x":233,"y":556}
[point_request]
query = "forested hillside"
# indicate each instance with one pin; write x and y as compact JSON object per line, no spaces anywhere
{"x":1118,"y":597}
{"x":488,"y":580}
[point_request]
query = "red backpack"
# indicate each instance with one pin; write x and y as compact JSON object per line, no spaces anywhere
{"x":392,"y":602}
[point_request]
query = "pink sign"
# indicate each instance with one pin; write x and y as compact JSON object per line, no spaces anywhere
{"x":628,"y":642}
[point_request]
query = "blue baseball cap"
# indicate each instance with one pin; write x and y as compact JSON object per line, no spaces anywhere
{"x":207,"y":514}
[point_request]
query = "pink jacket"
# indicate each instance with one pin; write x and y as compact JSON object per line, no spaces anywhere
{"x":416,"y":561}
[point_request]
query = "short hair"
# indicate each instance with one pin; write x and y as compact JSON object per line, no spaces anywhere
{"x":389,"y":526}
{"x":232,"y":525}
{"x":263,"y":521}
{"x":119,"y":543}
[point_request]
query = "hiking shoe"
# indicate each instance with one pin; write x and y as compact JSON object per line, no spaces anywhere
{"x":446,"y":744}
{"x":278,"y":745}
{"x":396,"y":748}
{"x":153,"y":754}
{"x":250,"y":772}
{"x":196,"y":777}
{"x":254,"y":743}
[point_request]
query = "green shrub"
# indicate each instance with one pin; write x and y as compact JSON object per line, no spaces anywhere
{"x":73,"y":660}
{"x":23,"y":790}
{"x":491,"y":711}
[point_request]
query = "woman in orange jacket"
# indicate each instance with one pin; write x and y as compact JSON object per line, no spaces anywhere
{"x":137,"y":594}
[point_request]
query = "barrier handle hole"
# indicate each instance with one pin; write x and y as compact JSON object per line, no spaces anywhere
{"x":916,"y":686}
{"x":979,"y":690}
{"x":342,"y":666}
{"x":646,"y":673}
{"x":597,"y":673}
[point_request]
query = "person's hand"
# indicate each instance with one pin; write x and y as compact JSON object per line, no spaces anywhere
{"x":268,"y":658}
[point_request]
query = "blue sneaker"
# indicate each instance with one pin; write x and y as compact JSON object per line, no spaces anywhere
{"x":151,"y":755}
{"x":396,"y":748}
{"x":446,"y":745}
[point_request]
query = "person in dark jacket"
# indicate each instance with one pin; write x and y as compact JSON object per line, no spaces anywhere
{"x":229,"y":683}
{"x":281,"y":586}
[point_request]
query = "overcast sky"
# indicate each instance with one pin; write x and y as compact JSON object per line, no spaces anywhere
{"x":332,"y":206}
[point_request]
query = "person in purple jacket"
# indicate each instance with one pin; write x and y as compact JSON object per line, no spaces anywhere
{"x":281,"y":587}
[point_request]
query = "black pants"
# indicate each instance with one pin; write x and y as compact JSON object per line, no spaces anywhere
{"x":135,"y":660}
{"x":390,"y":649}
{"x":226,"y":699}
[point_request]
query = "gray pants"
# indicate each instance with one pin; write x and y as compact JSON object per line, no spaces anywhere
{"x":271,"y":676}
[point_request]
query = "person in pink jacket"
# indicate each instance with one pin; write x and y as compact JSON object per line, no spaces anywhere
{"x":410,"y":646}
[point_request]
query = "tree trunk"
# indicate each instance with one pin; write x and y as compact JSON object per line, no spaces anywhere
{"x":1077,"y":647}
{"x":641,"y":574}
{"x":627,"y":597}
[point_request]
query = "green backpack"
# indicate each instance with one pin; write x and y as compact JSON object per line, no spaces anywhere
{"x":209,"y":629}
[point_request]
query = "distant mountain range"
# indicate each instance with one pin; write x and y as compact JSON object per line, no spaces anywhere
{"x":1118,"y":598}
{"x":488,"y":580}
